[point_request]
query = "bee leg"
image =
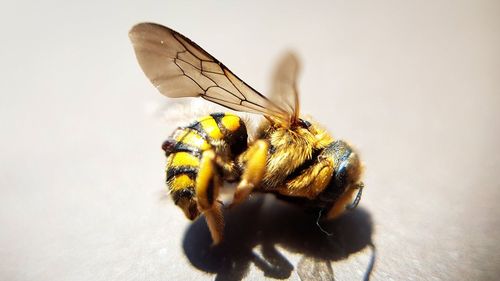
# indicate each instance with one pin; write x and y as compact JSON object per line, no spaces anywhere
{"x":312,"y":181}
{"x":207,"y":192}
{"x":256,"y":158}
{"x":343,"y":203}
{"x":228,"y":169}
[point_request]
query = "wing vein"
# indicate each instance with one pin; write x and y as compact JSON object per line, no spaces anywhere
{"x":184,"y":73}
{"x":201,"y":71}
{"x":166,"y":57}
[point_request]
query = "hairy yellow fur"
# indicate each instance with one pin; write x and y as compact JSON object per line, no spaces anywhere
{"x":291,"y":147}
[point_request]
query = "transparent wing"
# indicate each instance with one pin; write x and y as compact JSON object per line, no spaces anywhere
{"x":284,"y":85}
{"x":178,"y":67}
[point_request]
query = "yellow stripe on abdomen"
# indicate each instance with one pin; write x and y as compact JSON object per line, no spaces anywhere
{"x":192,"y":138}
{"x":184,"y":159}
{"x":209,"y":125}
{"x":231,"y":122}
{"x":180,"y":182}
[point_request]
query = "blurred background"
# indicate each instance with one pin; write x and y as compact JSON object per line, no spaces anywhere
{"x":414,"y":85}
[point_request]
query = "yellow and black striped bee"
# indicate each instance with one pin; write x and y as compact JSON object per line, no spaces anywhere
{"x":291,"y":157}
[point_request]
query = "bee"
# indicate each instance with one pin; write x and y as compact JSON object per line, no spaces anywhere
{"x":291,"y":157}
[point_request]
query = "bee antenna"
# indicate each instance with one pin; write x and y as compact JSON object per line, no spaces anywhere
{"x":358,"y":197}
{"x":320,"y":228}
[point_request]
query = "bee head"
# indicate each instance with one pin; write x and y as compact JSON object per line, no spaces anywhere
{"x":185,"y":200}
{"x":347,"y":169}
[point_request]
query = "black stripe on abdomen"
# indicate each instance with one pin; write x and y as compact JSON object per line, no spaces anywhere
{"x":182,"y":170}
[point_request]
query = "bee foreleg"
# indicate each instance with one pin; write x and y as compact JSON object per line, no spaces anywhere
{"x":207,"y":191}
{"x":312,"y":181}
{"x":343,"y":203}
{"x":256,"y":158}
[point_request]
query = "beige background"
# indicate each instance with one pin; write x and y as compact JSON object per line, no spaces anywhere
{"x":414,"y":85}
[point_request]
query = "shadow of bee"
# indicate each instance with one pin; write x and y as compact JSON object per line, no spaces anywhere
{"x":255,"y":228}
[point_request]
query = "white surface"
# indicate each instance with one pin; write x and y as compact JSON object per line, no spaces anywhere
{"x":413,"y":85}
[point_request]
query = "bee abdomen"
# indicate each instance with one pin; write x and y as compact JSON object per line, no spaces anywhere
{"x":211,"y":130}
{"x":182,"y":169}
{"x":185,"y":147}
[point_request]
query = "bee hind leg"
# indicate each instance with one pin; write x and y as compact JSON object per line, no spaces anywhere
{"x":256,"y":159}
{"x":207,"y":191}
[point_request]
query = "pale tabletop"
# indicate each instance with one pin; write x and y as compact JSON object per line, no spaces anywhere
{"x":413,"y":86}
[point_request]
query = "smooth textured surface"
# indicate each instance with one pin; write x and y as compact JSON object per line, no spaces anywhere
{"x":413,"y":85}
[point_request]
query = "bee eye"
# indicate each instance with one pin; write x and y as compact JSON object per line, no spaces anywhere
{"x":340,"y":175}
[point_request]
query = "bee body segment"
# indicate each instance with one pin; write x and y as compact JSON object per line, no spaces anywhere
{"x":221,"y":133}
